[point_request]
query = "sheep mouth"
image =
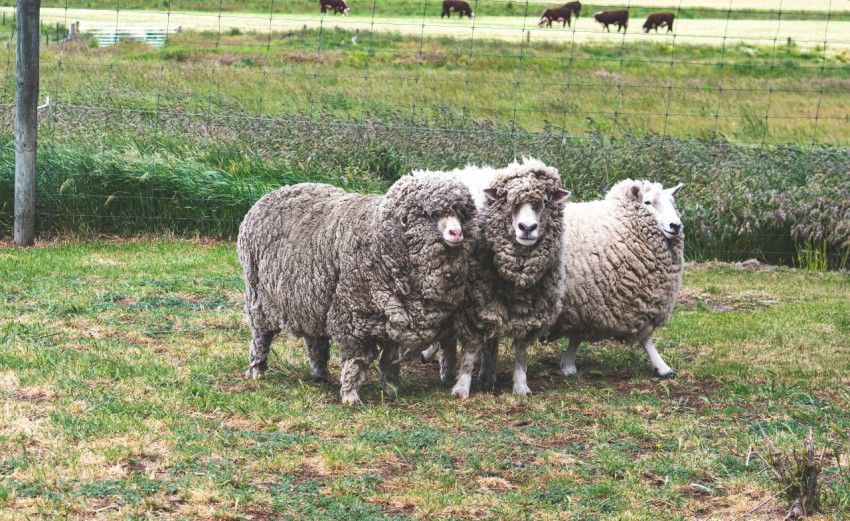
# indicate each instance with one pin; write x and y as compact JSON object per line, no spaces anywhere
{"x":453,"y":242}
{"x":670,"y":234}
{"x":527,"y":241}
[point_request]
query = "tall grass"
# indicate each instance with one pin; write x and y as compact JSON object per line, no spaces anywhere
{"x":739,"y":202}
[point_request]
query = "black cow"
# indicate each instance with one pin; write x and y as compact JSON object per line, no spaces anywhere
{"x":457,"y":6}
{"x":337,"y":6}
{"x":656,"y":20}
{"x":618,"y":18}
{"x":558,"y":14}
{"x":575,"y":7}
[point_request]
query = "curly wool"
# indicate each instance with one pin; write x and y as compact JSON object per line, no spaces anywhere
{"x":623,"y":275}
{"x":321,"y":263}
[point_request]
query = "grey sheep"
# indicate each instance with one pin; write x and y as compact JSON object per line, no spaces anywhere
{"x":624,"y":257}
{"x":516,"y":278}
{"x":368,"y":272}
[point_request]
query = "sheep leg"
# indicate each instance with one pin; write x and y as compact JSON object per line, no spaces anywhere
{"x":261,"y":342}
{"x":429,"y":354}
{"x":489,"y":363}
{"x":390,"y":367}
{"x":353,"y":374}
{"x":448,"y":359}
{"x":568,"y":360}
{"x":469,"y":354}
{"x":319,"y":351}
{"x":520,"y":367}
{"x":661,"y":368}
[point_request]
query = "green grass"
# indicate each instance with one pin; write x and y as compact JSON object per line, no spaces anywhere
{"x":121,"y":394}
{"x":739,"y":93}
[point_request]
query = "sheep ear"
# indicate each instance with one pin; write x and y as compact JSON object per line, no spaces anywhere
{"x":560,"y":196}
{"x":402,"y":221}
{"x":491,"y":194}
{"x":675,"y":190}
{"x":635,"y":192}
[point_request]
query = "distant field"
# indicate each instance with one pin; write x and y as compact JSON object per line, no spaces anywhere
{"x":122,"y":397}
{"x":706,"y":31}
{"x":685,"y":8}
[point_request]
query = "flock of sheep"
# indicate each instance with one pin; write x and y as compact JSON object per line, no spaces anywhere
{"x":562,"y":14}
{"x":472,"y":255}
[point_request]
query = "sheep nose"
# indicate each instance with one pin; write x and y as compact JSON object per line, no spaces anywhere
{"x":527,"y":228}
{"x":675,"y":227}
{"x":456,"y":233}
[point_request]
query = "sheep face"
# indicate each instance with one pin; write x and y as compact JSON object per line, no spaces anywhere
{"x":661,"y":204}
{"x":543,"y":21}
{"x":451,"y":229}
{"x":526,"y":209}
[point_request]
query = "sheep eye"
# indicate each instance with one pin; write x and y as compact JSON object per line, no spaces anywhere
{"x":647,"y":202}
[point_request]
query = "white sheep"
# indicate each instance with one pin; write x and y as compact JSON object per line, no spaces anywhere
{"x":623,"y":257}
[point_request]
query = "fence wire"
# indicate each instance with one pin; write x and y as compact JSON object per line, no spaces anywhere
{"x":176,"y":115}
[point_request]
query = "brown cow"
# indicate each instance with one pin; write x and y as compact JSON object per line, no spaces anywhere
{"x":337,"y":6}
{"x":558,"y":14}
{"x":618,"y":18}
{"x":575,"y":7}
{"x":458,"y":6}
{"x":656,"y":20}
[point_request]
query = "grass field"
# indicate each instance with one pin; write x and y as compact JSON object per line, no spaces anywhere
{"x":121,"y":397}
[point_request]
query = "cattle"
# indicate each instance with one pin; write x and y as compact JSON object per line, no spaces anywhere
{"x":575,"y":7}
{"x":337,"y":6}
{"x":656,"y":20}
{"x":618,"y":18}
{"x":558,"y":14}
{"x":456,"y":6}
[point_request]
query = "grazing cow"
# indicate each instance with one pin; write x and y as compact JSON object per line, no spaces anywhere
{"x":337,"y":6}
{"x":656,"y":20}
{"x":618,"y":18}
{"x":575,"y":7}
{"x":558,"y":14}
{"x":457,"y":6}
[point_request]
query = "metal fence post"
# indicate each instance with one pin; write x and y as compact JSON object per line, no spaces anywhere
{"x":26,"y":119}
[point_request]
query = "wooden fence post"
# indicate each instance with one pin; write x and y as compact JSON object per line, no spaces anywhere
{"x":26,"y":119}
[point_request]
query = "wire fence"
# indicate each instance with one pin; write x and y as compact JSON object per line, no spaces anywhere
{"x":176,"y":115}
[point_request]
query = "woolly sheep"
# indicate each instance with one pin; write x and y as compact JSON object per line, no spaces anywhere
{"x":368,"y":272}
{"x":624,"y":257}
{"x":516,"y":277}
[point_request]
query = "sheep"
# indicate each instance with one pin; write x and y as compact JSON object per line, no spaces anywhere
{"x":656,"y":20}
{"x":624,"y":257}
{"x":336,"y":6}
{"x":516,"y":277}
{"x":461,"y":7}
{"x":619,"y":18}
{"x":368,"y":272}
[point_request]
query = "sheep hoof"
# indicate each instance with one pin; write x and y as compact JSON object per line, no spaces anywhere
{"x":522,"y":390}
{"x":448,"y":377}
{"x":570,"y":371}
{"x":670,"y":375}
{"x":463,"y":395}
{"x":255,"y":373}
{"x":350,"y":398}
{"x":322,"y":378}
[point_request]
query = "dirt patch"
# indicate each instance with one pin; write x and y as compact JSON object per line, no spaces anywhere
{"x":312,"y":58}
{"x":741,"y":301}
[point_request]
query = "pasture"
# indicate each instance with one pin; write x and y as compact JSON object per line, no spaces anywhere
{"x":121,"y":359}
{"x":122,"y":397}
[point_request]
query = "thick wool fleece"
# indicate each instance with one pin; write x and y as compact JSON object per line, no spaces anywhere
{"x":513,"y":290}
{"x":361,"y":270}
{"x":623,"y":275}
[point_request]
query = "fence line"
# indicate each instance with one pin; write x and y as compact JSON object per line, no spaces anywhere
{"x":747,"y":106}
